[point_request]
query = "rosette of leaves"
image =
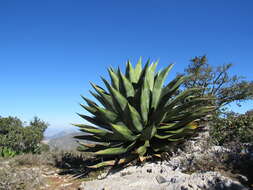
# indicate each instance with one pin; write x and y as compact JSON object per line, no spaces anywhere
{"x":137,"y":116}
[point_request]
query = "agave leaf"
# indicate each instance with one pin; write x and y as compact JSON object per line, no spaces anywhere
{"x":96,"y":121}
{"x":126,"y":160}
{"x":142,"y":158}
{"x":143,"y":74}
{"x":195,"y":102}
{"x":192,"y":125}
{"x":163,"y":136}
{"x":128,"y":87}
{"x":159,"y":114}
{"x":121,"y":84}
{"x":198,"y":114}
{"x":105,"y":135}
{"x":167,"y":126}
{"x":98,"y":89}
{"x":181,"y":97}
{"x":91,"y":147}
{"x":107,"y":84}
{"x":81,"y":148}
{"x":124,"y":132}
{"x":176,"y":118}
{"x":108,"y":116}
{"x":102,"y":164}
{"x":175,"y":139}
{"x":149,"y":75}
{"x":113,"y":162}
{"x":114,"y":78}
{"x":89,"y":102}
{"x":142,"y":149}
{"x":134,"y":118}
{"x":153,"y":67}
{"x":88,"y":145}
{"x":93,"y":110}
{"x":109,"y":138}
{"x":148,"y":132}
{"x":157,"y":155}
{"x":178,"y":131}
{"x":169,"y":91}
{"x":173,"y":86}
{"x":158,"y":86}
{"x":181,"y":133}
{"x":193,"y":105}
{"x":130,"y":72}
{"x":137,"y":71}
{"x":145,"y":102}
{"x":115,"y":150}
{"x":92,"y":138}
{"x":106,"y":98}
{"x":119,"y":100}
{"x":92,"y":130}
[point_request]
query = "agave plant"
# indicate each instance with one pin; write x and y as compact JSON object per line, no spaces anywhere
{"x":138,"y":116}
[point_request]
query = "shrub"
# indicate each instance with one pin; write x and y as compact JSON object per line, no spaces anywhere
{"x":234,"y":127}
{"x":19,"y":138}
{"x":6,"y":152}
{"x":138,"y":116}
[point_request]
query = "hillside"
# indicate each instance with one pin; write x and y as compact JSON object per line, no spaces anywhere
{"x":63,"y":141}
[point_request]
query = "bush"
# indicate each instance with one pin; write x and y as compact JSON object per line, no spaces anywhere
{"x":19,"y":138}
{"x":6,"y":152}
{"x":233,"y":127}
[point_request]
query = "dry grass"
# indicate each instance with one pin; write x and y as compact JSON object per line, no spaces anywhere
{"x":27,"y":171}
{"x":32,"y":160}
{"x":21,"y":179}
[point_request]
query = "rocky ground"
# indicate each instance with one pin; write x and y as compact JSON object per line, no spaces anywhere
{"x":31,"y":178}
{"x":172,"y":174}
{"x":197,"y":166}
{"x":161,"y":176}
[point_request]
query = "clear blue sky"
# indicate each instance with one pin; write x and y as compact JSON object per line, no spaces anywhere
{"x":50,"y":50}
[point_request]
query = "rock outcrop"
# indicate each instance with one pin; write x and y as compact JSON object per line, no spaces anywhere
{"x":169,"y":175}
{"x":161,"y":176}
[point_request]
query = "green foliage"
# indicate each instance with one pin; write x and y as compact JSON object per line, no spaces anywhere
{"x":138,"y":116}
{"x":232,"y":128}
{"x":6,"y":152}
{"x":19,"y":138}
{"x":217,"y":82}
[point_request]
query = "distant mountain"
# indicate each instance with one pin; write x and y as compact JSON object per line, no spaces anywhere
{"x":63,"y":141}
{"x":54,"y":132}
{"x":57,"y":135}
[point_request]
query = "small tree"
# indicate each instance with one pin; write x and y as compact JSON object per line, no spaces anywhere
{"x":217,"y":82}
{"x":38,"y":126}
{"x":19,"y":138}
